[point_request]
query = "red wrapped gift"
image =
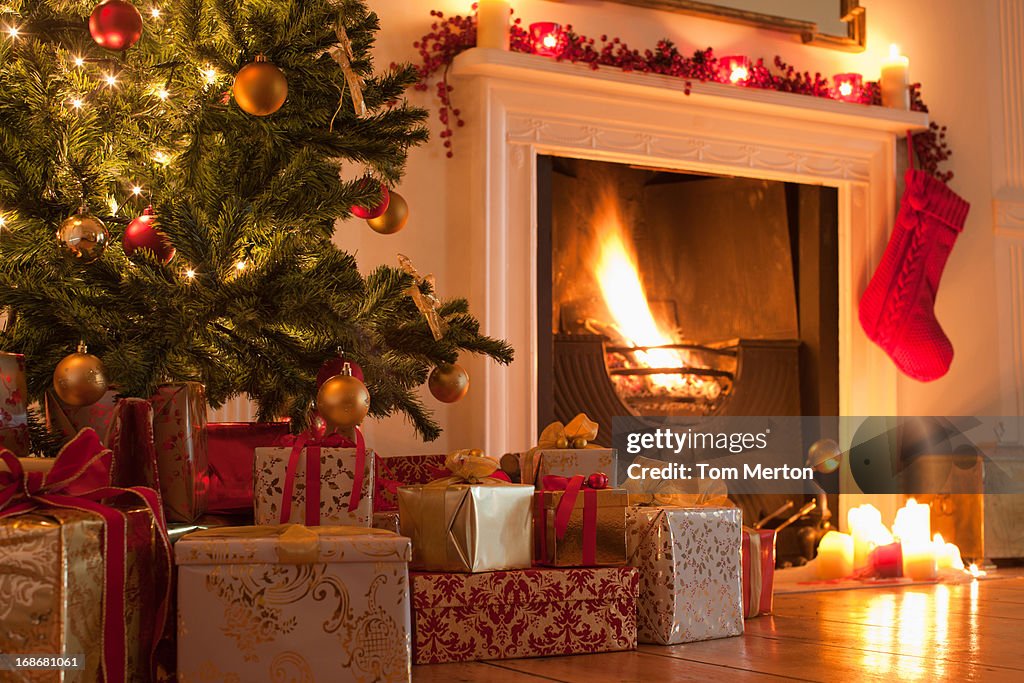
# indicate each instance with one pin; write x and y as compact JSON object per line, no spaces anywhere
{"x":13,"y":410}
{"x":403,"y":470}
{"x":523,"y":613}
{"x":230,"y":446}
{"x":758,"y":571}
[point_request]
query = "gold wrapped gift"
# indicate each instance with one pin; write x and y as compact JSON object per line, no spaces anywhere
{"x":468,"y":522}
{"x":594,"y":532}
{"x":52,"y":574}
{"x":566,"y":450}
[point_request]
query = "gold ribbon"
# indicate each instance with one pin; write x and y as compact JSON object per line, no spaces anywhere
{"x":580,"y":427}
{"x":296,"y":543}
{"x":674,"y":492}
{"x":427,"y":303}
{"x":469,"y":466}
{"x":343,"y":55}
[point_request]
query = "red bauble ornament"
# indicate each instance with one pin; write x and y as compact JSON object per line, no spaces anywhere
{"x":334,"y":366}
{"x":598,"y":480}
{"x":375,"y":211}
{"x":141,"y":233}
{"x":115,"y":25}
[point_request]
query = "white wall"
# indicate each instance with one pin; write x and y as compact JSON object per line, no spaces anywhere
{"x":948,"y":45}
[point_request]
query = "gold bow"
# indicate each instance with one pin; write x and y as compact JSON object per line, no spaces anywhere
{"x":426,"y":302}
{"x":469,"y":466}
{"x":296,"y":544}
{"x":581,"y":430}
{"x":674,"y":492}
{"x":343,"y":55}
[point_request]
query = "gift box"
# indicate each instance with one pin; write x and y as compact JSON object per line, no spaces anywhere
{"x":393,"y":471}
{"x":69,"y":420}
{"x":78,"y":576}
{"x":566,"y":450}
{"x":13,"y":409}
{"x":580,"y":526}
{"x":389,"y":521}
{"x":758,"y":571}
{"x":524,"y":613}
{"x":314,"y":481}
{"x":231,"y":450}
{"x":468,"y":522}
{"x":689,"y":563}
{"x":292,"y":602}
{"x":179,"y":434}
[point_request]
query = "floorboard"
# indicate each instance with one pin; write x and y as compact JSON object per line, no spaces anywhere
{"x":964,"y":632}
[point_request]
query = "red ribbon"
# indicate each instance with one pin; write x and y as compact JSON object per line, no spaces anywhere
{"x":80,"y":480}
{"x":563,"y":513}
{"x":312,"y":443}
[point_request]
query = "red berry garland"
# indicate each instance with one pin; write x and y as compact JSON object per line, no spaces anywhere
{"x":448,"y":37}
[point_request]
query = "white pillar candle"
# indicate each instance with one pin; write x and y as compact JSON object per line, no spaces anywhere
{"x":865,"y":525}
{"x":913,"y":528}
{"x":835,"y":556}
{"x":895,"y":80}
{"x":492,"y":23}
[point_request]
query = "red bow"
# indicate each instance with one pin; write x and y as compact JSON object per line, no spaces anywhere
{"x":312,"y":443}
{"x":80,"y":480}
{"x":563,"y":513}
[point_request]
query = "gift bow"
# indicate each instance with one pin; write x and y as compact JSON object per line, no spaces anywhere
{"x":427,"y":302}
{"x":343,"y":55}
{"x":580,"y":427}
{"x":563,"y":512}
{"x":80,"y":480}
{"x":312,"y":442}
{"x":469,"y":466}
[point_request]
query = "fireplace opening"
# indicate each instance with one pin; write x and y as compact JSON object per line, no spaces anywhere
{"x":669,"y":293}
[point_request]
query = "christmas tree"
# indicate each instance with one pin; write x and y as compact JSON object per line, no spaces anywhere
{"x":257,"y":296}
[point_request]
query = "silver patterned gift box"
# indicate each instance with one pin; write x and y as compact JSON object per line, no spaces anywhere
{"x":690,"y":572}
{"x":293,"y":603}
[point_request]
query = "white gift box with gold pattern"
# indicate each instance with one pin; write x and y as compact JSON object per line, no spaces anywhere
{"x":295,"y":603}
{"x":690,"y":572}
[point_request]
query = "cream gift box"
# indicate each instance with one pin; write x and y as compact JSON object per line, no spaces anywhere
{"x":290,"y":602}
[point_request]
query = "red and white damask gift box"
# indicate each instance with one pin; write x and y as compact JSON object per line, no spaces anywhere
{"x":13,"y":408}
{"x":758,"y":571}
{"x":393,"y":471}
{"x":314,"y":480}
{"x":523,"y":613}
{"x":690,"y":567}
{"x":293,"y":603}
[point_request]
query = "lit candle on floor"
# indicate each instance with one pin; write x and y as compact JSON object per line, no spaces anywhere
{"x":835,"y":556}
{"x":895,"y":80}
{"x":947,"y":555}
{"x":865,"y":525}
{"x":492,"y":23}
{"x":913,"y":528}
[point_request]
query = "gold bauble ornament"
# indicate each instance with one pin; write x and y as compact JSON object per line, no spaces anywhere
{"x":83,"y":236}
{"x":343,"y":400}
{"x":260,"y":88}
{"x":448,"y":382}
{"x":80,"y":378}
{"x":392,"y":220}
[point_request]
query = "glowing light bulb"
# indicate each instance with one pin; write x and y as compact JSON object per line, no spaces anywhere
{"x":240,"y":266}
{"x":190,"y":274}
{"x":3,"y":222}
{"x":210,"y":74}
{"x":79,"y":61}
{"x":136,"y":190}
{"x":162,"y":93}
{"x":14,"y":32}
{"x":77,"y":103}
{"x":155,"y":12}
{"x":111,"y":80}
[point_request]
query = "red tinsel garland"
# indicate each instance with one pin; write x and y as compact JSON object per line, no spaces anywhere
{"x":450,"y":36}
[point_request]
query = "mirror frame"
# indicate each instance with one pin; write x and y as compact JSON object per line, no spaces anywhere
{"x":850,"y":12}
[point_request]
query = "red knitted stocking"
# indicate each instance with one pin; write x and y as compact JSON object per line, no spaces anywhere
{"x":897,"y":309}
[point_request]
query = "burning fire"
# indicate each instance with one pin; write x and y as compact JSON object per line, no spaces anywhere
{"x":627,"y":303}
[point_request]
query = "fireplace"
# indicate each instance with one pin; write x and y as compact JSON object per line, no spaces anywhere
{"x":670,"y":293}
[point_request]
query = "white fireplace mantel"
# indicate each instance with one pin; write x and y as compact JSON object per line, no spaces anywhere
{"x":519,"y":106}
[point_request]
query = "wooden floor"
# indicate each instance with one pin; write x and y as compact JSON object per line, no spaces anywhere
{"x":969,"y":632}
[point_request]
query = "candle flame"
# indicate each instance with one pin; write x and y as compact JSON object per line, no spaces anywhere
{"x":845,"y":89}
{"x":894,"y":50}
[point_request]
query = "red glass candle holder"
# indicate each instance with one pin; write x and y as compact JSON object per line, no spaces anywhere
{"x":848,"y":87}
{"x":886,"y":561}
{"x":546,"y":38}
{"x":735,"y":69}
